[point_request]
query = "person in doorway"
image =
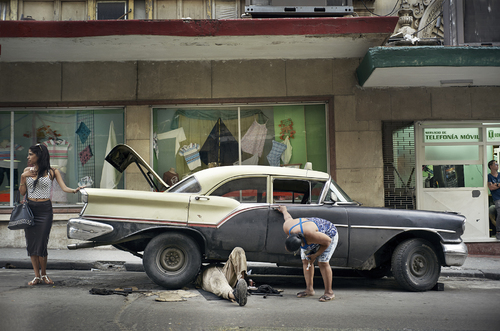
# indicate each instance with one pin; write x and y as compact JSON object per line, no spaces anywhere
{"x":317,"y":239}
{"x":36,"y":183}
{"x":228,"y":281}
{"x":494,"y":186}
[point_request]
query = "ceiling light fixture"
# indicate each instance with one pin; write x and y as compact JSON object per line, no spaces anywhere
{"x":457,"y":82}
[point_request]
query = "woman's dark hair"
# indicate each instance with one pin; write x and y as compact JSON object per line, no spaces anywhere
{"x":43,"y":163}
{"x":294,"y":241}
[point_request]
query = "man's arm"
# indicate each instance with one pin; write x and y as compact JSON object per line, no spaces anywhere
{"x":493,"y":186}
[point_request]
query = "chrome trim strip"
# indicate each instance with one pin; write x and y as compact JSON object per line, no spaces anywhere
{"x":399,"y":228}
{"x":130,"y":219}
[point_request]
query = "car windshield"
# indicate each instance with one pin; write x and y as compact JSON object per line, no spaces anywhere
{"x":188,"y":185}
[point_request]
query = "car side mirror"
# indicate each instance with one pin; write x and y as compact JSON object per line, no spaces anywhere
{"x":333,"y":197}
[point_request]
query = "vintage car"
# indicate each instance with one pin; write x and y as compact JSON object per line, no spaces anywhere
{"x":204,"y":216}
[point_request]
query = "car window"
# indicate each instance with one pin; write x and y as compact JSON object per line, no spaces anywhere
{"x":248,"y":190}
{"x":188,"y":185}
{"x":336,"y":194}
{"x":316,"y":189}
{"x":296,"y":191}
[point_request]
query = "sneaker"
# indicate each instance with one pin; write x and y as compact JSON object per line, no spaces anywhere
{"x":240,"y":292}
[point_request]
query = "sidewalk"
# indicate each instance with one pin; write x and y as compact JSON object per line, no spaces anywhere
{"x":112,"y":259}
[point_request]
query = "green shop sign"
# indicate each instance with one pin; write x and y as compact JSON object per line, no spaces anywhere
{"x":452,"y":135}
{"x":493,"y":134}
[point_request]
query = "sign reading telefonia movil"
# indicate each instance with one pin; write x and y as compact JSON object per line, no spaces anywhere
{"x":453,"y":135}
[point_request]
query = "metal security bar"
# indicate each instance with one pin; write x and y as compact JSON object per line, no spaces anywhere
{"x":398,"y":144}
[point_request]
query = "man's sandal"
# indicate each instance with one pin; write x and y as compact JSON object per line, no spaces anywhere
{"x":35,"y":281}
{"x":47,"y":280}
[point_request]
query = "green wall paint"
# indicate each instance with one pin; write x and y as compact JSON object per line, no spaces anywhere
{"x":309,"y":142}
{"x":316,"y":137}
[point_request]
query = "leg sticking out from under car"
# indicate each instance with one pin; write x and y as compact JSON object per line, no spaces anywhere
{"x":227,"y":281}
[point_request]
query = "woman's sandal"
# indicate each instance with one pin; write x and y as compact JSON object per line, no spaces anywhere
{"x":35,"y":281}
{"x":324,"y":298}
{"x":303,"y":294}
{"x":47,"y":280}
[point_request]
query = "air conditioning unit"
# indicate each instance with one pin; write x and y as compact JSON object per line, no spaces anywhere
{"x":298,"y":8}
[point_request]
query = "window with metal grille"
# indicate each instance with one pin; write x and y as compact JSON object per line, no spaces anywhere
{"x":398,"y":143}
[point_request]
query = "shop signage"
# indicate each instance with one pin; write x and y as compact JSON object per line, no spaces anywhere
{"x":452,"y":135}
{"x":493,"y":134}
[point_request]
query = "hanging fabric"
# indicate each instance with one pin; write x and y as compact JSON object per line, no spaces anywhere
{"x":191,"y":155}
{"x":274,"y":155}
{"x":83,"y":132}
{"x":287,"y":154}
{"x":85,"y":155}
{"x":254,"y":139}
{"x":110,"y":177}
{"x":220,"y":147}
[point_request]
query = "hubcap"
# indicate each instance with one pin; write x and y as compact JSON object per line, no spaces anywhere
{"x":171,"y":259}
{"x":418,"y":265}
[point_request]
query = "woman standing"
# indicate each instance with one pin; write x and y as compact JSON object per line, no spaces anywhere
{"x":36,"y":182}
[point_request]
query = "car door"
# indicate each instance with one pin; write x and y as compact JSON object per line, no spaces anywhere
{"x":235,"y":213}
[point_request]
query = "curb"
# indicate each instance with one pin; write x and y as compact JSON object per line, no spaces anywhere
{"x":256,"y":271}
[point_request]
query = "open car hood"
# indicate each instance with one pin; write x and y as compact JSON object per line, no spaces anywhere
{"x":121,"y":156}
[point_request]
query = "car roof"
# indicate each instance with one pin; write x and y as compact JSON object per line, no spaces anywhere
{"x":210,"y":177}
{"x":121,"y":156}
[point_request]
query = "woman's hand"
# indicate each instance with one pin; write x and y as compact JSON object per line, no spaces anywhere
{"x":313,"y":257}
{"x":29,"y":172}
{"x":78,"y":189}
{"x":281,"y":209}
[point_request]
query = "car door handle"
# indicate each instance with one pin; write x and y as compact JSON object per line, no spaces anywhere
{"x":202,"y":197}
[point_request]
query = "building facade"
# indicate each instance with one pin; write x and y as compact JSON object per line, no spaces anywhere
{"x":395,"y":123}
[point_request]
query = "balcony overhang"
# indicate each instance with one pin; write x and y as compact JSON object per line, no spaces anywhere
{"x":193,"y":40}
{"x":432,"y":66}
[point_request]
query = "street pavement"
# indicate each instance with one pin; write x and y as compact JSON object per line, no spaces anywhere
{"x":109,"y":258}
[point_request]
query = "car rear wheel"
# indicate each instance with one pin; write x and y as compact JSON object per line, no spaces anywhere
{"x":172,"y":260}
{"x":415,"y":265}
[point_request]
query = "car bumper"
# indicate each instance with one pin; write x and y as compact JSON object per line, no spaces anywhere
{"x":82,"y":229}
{"x":455,"y":254}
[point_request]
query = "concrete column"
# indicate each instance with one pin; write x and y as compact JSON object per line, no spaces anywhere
{"x":137,"y":136}
{"x":91,"y":10}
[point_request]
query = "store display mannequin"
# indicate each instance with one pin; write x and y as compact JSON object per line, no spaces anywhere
{"x":170,"y":177}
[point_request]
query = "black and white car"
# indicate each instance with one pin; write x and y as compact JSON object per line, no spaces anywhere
{"x":204,"y":216}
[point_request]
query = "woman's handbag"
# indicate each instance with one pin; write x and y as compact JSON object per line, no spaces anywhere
{"x":21,"y":217}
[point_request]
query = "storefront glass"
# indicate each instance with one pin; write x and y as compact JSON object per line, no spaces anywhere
{"x":191,"y":139}
{"x":76,"y":140}
{"x":459,"y":146}
{"x":455,"y":152}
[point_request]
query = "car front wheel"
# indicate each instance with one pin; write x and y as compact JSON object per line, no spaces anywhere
{"x":172,"y":260}
{"x":415,"y":265}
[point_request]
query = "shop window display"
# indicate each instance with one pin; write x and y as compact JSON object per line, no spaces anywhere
{"x":187,"y":140}
{"x":76,"y":140}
